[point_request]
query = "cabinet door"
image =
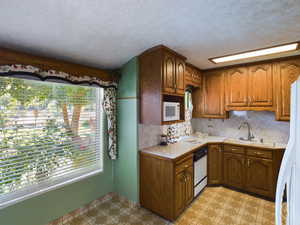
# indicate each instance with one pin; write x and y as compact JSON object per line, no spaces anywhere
{"x":188,"y":75}
{"x":212,"y":97}
{"x":197,"y":78}
{"x":214,"y":164}
{"x":234,"y":170}
{"x":259,"y":176}
{"x":261,"y":85}
{"x":237,"y":87}
{"x":180,"y":72}
{"x":189,"y":174}
{"x":180,"y":192}
{"x":286,"y":73}
{"x":169,"y":71}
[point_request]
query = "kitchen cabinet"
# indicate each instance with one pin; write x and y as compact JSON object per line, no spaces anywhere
{"x":286,"y":73}
{"x":261,"y":86}
{"x":209,"y":99}
{"x":215,"y":164}
{"x":259,"y":176}
{"x":236,"y":87}
{"x":180,"y":192}
{"x":250,"y":87}
{"x":250,"y":169}
{"x":161,"y":78}
{"x":173,"y":73}
{"x":166,"y":185}
{"x":193,"y":76}
{"x":234,"y":170}
{"x":180,"y":76}
{"x":189,"y":174}
{"x":169,"y":73}
{"x":184,"y":189}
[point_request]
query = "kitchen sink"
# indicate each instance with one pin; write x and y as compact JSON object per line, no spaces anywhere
{"x":252,"y":142}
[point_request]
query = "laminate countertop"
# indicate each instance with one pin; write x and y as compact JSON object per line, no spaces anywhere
{"x":192,"y":143}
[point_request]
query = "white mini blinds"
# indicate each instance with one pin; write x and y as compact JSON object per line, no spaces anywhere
{"x":51,"y":134}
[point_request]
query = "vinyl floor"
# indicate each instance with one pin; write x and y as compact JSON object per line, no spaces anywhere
{"x":214,"y":206}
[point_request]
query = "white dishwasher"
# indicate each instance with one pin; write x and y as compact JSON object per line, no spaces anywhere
{"x":200,"y":170}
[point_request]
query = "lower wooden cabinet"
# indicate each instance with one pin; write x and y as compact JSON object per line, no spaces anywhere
{"x":189,"y":174}
{"x":254,"y":170}
{"x":180,"y":192}
{"x":259,"y":176}
{"x":184,"y":189}
{"x":234,"y":170}
{"x":166,"y":186}
{"x":215,"y":164}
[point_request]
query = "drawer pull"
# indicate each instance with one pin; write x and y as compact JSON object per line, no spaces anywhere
{"x":258,"y":153}
{"x":235,"y":149}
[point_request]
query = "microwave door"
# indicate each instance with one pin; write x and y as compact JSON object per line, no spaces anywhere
{"x":170,"y":113}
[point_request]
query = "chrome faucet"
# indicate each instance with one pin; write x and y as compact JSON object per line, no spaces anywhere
{"x":250,"y":135}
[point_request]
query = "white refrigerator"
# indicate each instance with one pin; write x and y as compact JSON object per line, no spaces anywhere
{"x":289,"y":175}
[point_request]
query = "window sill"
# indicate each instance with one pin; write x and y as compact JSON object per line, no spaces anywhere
{"x":41,"y":188}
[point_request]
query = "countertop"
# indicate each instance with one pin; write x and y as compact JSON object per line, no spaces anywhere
{"x":192,"y":143}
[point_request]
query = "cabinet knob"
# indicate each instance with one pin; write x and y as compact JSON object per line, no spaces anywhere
{"x":248,"y":162}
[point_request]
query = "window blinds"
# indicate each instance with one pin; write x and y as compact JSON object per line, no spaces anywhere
{"x":50,"y":134}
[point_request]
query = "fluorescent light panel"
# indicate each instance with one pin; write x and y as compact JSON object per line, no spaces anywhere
{"x":256,"y":53}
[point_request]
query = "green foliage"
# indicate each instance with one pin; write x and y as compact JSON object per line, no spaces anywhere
{"x":36,"y":153}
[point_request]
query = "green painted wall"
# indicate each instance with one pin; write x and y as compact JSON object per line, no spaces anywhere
{"x":46,"y":207}
{"x":126,"y":180}
{"x":51,"y":205}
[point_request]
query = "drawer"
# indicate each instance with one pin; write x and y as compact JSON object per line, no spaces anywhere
{"x":259,"y":153}
{"x":234,"y":149}
{"x":183,"y":165}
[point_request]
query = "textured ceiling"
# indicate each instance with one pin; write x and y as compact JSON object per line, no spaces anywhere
{"x":107,"y":33}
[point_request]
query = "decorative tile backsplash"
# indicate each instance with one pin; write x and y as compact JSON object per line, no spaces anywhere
{"x":263,"y":125}
{"x":149,"y":135}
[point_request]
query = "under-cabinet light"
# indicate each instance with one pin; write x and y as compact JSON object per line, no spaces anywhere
{"x":256,"y":53}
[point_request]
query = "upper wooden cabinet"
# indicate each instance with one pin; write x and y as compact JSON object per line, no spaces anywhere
{"x":286,"y":73}
{"x":250,"y":88}
{"x":162,"y":78}
{"x":236,"y":87}
{"x":209,"y":99}
{"x":261,"y":86}
{"x":169,"y":72}
{"x":193,"y":76}
{"x":180,"y":76}
{"x":173,"y":73}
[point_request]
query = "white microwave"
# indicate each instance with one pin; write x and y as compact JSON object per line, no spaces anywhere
{"x":171,"y":111}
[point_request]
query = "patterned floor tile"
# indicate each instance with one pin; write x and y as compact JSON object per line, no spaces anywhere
{"x":215,"y":206}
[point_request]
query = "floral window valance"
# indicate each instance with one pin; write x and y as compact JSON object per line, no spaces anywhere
{"x":109,"y":101}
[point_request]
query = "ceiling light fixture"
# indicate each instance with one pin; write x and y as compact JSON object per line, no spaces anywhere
{"x":256,"y":53}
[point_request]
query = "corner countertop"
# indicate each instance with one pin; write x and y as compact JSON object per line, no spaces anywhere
{"x":192,"y":143}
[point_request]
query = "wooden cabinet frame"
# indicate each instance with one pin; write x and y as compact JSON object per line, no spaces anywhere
{"x":166,"y":185}
{"x":239,"y":164}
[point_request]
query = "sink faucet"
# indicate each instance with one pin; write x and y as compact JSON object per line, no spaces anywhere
{"x":250,"y":135}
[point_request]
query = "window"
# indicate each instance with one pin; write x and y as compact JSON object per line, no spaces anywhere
{"x":51,"y":134}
